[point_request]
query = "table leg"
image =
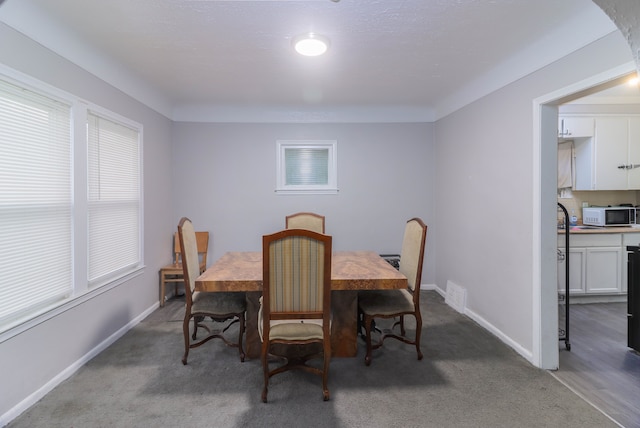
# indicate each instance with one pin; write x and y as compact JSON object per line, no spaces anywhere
{"x":162,"y":288}
{"x":344,"y":335}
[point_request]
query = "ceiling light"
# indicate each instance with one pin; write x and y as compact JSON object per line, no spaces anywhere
{"x":311,"y":44}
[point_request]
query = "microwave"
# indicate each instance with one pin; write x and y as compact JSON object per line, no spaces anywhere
{"x":608,"y":216}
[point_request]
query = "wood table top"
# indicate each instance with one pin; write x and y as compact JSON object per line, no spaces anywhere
{"x":350,"y":270}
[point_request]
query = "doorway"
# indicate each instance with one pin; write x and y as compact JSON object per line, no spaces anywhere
{"x":546,"y":113}
{"x":546,"y":348}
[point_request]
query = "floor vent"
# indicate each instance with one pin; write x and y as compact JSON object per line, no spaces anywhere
{"x":456,"y":296}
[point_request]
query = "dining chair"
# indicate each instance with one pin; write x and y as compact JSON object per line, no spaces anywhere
{"x":173,"y":272}
{"x":227,"y":308}
{"x":295,"y":310}
{"x":305,"y":220}
{"x":398,"y":303}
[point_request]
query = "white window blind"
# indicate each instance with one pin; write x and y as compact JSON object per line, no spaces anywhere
{"x":36,"y":257}
{"x":307,"y":167}
{"x":114,"y":198}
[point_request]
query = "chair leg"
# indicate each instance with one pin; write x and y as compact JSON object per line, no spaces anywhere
{"x":325,"y":369}
{"x":196,"y":320}
{"x":265,"y":370}
{"x":367,"y":331}
{"x":185,"y":331}
{"x":418,"y":333}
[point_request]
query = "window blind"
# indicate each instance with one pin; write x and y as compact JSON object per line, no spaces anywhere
{"x":113,"y":198}
{"x":36,"y":257}
{"x":306,"y":166}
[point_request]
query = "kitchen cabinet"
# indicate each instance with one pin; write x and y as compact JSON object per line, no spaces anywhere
{"x":577,"y":262}
{"x":575,"y":127}
{"x":603,"y":270}
{"x":595,"y":264}
{"x":611,"y":159}
{"x":617,"y":153}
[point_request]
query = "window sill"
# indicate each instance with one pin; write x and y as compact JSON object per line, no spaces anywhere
{"x":21,"y":325}
{"x":307,"y":191}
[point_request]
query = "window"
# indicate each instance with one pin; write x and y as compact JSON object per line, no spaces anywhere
{"x":35,"y":201}
{"x":70,"y":200}
{"x":114,"y":197}
{"x":307,"y":167}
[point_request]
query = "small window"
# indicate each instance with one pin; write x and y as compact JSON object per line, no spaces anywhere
{"x":307,"y":167}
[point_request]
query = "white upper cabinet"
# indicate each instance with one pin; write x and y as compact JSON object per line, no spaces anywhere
{"x":617,"y":153}
{"x":633,"y":165}
{"x":575,"y":127}
{"x":611,"y":150}
{"x":611,"y":159}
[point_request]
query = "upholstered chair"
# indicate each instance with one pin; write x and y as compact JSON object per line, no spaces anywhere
{"x":308,"y":221}
{"x":226,"y":308}
{"x":398,"y":303}
{"x":295,"y":307}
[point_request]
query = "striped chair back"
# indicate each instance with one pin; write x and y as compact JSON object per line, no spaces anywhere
{"x":296,"y":274}
{"x":297,"y":277}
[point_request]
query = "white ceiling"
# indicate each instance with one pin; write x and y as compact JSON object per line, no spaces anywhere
{"x":232,"y":60}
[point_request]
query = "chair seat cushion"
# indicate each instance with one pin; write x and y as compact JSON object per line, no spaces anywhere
{"x":309,"y":329}
{"x":293,"y":329}
{"x":218,"y":303}
{"x":385,"y":302}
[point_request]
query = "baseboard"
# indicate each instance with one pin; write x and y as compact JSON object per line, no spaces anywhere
{"x":434,"y":287}
{"x":69,"y":371}
{"x":525,"y":353}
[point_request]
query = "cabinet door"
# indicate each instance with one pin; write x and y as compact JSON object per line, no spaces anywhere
{"x":575,"y":127}
{"x":611,"y":152}
{"x":633,"y":177}
{"x":577,"y":258}
{"x":584,"y":173}
{"x":604,"y":270}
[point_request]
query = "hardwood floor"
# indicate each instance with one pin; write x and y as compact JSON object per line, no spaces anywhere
{"x":600,"y":366}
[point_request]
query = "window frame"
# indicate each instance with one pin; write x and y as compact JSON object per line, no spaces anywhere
{"x":283,"y":188}
{"x":81,"y":290}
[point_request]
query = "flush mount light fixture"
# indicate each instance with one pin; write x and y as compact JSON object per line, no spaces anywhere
{"x":311,"y":44}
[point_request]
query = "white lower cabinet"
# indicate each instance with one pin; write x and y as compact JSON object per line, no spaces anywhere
{"x":603,"y":270}
{"x":577,"y":261}
{"x":596,"y":264}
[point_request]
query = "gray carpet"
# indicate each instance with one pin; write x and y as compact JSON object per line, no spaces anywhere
{"x":467,"y":378}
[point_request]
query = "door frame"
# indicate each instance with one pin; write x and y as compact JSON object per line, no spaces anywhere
{"x":545,"y":349}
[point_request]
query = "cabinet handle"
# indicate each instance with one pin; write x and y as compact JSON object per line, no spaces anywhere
{"x":622,"y":166}
{"x":633,"y":166}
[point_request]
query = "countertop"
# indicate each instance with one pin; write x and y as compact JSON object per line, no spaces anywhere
{"x":598,"y":230}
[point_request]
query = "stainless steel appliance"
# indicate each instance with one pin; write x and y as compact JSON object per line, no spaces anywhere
{"x":633,"y":297}
{"x":608,"y":216}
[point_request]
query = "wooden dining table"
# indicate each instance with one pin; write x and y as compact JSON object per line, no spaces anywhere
{"x":351,"y":271}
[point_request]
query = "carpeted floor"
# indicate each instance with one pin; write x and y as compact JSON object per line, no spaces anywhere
{"x":467,"y":378}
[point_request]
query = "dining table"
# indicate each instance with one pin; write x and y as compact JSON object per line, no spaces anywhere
{"x":351,"y":271}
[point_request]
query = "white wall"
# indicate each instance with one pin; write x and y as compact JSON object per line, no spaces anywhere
{"x":37,"y":358}
{"x":484,"y":155}
{"x":225,"y":176}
